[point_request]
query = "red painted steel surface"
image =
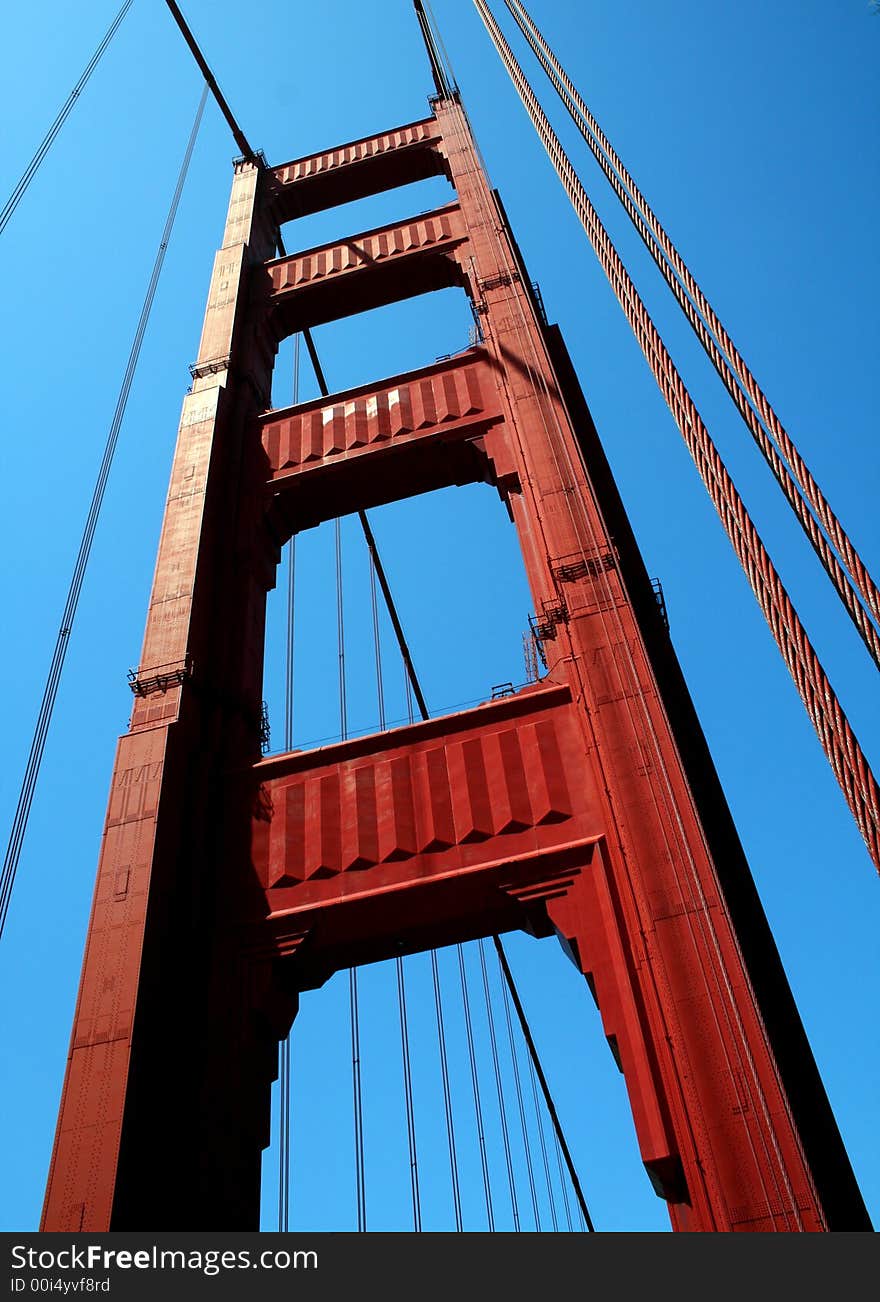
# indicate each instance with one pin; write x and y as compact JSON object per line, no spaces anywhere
{"x":228,"y":884}
{"x":366,"y":271}
{"x":357,"y":169}
{"x":413,"y":434}
{"x":456,"y":394}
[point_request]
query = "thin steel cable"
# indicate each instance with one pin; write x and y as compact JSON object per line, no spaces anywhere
{"x":502,"y":1110}
{"x":340,"y":630}
{"x":447,"y":1093}
{"x":407,"y":688}
{"x":377,"y":644}
{"x":539,"y":1126}
{"x":548,"y":1099}
{"x":50,"y":691}
{"x":527,"y":1143}
{"x":289,"y":659}
{"x":798,"y":485}
{"x":835,"y":733}
{"x":284,"y":1138}
{"x":358,"y":1100}
{"x":562,"y":1183}
{"x":408,"y":1093}
{"x":475,"y":1083}
{"x":296,"y":358}
{"x":367,"y":531}
{"x":48,"y":140}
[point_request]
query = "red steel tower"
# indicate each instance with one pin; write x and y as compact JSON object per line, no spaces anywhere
{"x":585,"y":804}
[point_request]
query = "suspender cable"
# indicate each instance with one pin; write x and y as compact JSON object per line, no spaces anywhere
{"x":392,"y":613}
{"x":358,"y":1100}
{"x":545,"y":1089}
{"x":502,"y":1110}
{"x":377,"y":646}
{"x":288,"y":668}
{"x":340,"y":631}
{"x":475,"y":1083}
{"x":50,"y":692}
{"x":284,"y":1138}
{"x":447,"y":1093}
{"x":374,"y":552}
{"x":838,"y":740}
{"x":539,"y":1124}
{"x":48,"y":140}
{"x":527,"y":1143}
{"x":791,"y":473}
{"x":408,"y":1093}
{"x":562,"y":1183}
{"x":401,"y":975}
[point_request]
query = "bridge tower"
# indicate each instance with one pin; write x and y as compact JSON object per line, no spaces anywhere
{"x":584,"y":805}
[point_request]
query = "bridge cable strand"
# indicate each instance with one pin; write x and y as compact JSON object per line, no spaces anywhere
{"x":825,"y":712}
{"x":401,"y":976}
{"x":856,"y":589}
{"x":527,"y":1143}
{"x":408,"y":1096}
{"x":563,"y":1184}
{"x":502,"y":1110}
{"x":340,"y":631}
{"x":377,"y":645}
{"x":447,"y":1093}
{"x":542,"y":1079}
{"x":539,"y":1127}
{"x":48,"y":140}
{"x":475,"y":1085}
{"x":53,"y":680}
{"x":284,"y":1138}
{"x":354,"y":1012}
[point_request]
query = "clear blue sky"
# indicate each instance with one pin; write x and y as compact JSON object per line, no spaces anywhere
{"x":753,"y":131}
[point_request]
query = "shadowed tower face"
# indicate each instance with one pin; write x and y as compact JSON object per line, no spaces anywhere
{"x":584,"y":804}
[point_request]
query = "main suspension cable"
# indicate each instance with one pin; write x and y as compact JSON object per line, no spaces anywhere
{"x":50,"y":691}
{"x":48,"y":140}
{"x":787,"y":466}
{"x":835,"y":734}
{"x":237,"y":134}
